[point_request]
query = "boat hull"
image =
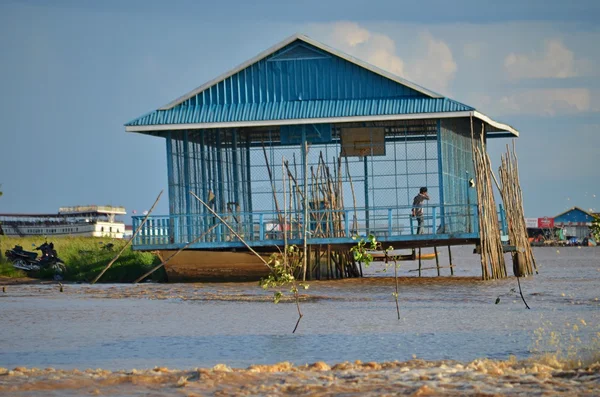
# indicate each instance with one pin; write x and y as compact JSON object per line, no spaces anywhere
{"x":193,"y":265}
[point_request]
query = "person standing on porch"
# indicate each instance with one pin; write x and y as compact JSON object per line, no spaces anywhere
{"x":417,"y":210}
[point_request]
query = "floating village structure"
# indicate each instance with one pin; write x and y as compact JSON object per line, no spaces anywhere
{"x":575,"y":222}
{"x":304,"y":144}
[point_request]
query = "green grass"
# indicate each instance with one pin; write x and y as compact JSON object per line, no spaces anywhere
{"x":85,"y":257}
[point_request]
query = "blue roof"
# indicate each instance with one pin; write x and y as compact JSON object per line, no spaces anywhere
{"x":298,"y":79}
{"x":298,"y":110}
{"x":574,"y":215}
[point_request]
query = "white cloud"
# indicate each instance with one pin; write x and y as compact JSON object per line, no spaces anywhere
{"x":375,"y":48}
{"x":350,"y":33}
{"x":547,"y":102}
{"x":433,"y":69}
{"x":557,"y":61}
{"x":436,"y":69}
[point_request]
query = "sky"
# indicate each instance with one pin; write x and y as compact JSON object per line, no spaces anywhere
{"x":73,"y":72}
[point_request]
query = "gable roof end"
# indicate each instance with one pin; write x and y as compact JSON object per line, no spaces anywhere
{"x":314,"y":43}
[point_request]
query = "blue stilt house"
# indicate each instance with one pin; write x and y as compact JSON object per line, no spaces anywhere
{"x":306,"y":142}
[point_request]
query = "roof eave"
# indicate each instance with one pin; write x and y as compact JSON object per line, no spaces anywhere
{"x":504,"y":130}
{"x":496,"y":124}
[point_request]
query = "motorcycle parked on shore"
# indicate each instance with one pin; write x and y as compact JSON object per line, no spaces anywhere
{"x":29,"y":261}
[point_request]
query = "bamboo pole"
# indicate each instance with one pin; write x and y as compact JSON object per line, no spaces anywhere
{"x":437,"y":260}
{"x":231,"y":230}
{"x":523,"y":259}
{"x":475,"y":157}
{"x":492,"y":254}
{"x":129,"y":241}
{"x":450,"y":261}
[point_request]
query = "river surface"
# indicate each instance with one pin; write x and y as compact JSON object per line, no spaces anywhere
{"x":458,"y":318}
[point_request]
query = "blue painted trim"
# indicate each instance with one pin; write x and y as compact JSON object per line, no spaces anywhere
{"x":186,"y":174}
{"x":261,"y":227}
{"x":366,"y":184}
{"x":305,"y":223}
{"x":441,"y":175}
{"x":220,"y":200}
{"x":249,"y":175}
{"x":204,"y":171}
{"x":170,"y":179}
{"x":234,"y":161}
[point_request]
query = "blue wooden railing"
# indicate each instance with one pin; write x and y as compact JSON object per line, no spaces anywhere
{"x":323,"y":226}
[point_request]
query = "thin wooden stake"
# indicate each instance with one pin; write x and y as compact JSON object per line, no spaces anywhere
{"x":128,"y":242}
{"x":450,"y":261}
{"x":396,"y":279}
{"x":420,"y":262}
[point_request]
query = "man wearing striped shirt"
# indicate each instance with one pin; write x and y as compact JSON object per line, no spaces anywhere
{"x":417,"y":210}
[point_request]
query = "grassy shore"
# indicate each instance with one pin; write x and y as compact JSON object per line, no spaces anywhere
{"x":85,"y":257}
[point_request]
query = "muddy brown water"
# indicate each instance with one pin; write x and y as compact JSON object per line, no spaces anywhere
{"x":448,"y":324}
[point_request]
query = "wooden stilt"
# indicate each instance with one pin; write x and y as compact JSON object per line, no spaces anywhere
{"x":328,"y":261}
{"x":450,"y":261}
{"x":437,"y":260}
{"x":420,"y":262}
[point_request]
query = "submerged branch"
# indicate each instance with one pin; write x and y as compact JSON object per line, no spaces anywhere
{"x":521,"y":292}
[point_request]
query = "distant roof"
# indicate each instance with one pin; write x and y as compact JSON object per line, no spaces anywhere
{"x":574,"y":215}
{"x":276,"y":88}
{"x":102,"y":209}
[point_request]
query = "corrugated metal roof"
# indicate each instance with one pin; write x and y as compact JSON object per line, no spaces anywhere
{"x":288,"y":44}
{"x":302,"y":80}
{"x":298,"y":110}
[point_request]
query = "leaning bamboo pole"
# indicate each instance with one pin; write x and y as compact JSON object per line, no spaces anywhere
{"x":512,"y":196}
{"x":492,"y":254}
{"x":130,"y":240}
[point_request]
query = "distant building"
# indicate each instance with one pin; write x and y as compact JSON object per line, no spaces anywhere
{"x":128,"y":232}
{"x":87,"y":220}
{"x":575,"y":221}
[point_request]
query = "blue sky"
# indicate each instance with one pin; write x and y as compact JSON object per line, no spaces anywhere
{"x":72,"y":72}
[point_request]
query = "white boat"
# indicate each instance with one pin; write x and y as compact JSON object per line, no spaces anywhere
{"x":88,"y":220}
